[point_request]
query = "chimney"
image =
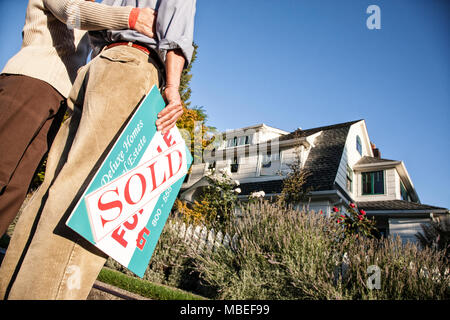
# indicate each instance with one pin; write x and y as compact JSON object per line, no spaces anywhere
{"x":376,"y":152}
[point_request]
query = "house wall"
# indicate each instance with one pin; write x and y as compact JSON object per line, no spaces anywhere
{"x":325,"y":206}
{"x":250,"y":165}
{"x":350,"y":156}
{"x":406,"y":228}
{"x":288,"y":156}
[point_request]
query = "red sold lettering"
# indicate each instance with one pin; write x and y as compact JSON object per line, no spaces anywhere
{"x":152,"y":171}
{"x":169,"y":158}
{"x":110,"y":205}
{"x":127,"y":188}
{"x":168,"y":139}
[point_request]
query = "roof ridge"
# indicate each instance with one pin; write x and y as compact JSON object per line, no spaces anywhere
{"x":332,"y":126}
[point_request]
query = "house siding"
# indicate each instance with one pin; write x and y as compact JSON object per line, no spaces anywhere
{"x":406,"y":229}
{"x":350,"y":156}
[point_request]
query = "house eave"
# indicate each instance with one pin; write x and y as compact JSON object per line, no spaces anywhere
{"x":254,"y":148}
{"x":378,"y":165}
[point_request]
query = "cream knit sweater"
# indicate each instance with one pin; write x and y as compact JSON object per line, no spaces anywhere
{"x":52,"y":50}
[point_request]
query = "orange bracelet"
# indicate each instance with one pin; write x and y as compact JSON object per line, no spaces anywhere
{"x":133,"y":17}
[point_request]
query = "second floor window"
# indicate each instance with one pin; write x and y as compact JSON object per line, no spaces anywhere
{"x":358,"y":145}
{"x":373,"y":182}
{"x":349,"y":179}
{"x":238,"y":141}
{"x":269,"y":158}
{"x":403,"y":192}
{"x":212,"y":165}
{"x":234,"y":165}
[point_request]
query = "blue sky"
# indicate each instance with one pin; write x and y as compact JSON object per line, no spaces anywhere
{"x":308,"y":63}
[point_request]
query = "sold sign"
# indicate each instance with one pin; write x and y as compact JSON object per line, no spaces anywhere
{"x":122,"y":199}
{"x":127,"y":202}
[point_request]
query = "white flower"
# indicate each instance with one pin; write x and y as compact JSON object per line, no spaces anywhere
{"x":257,"y":194}
{"x":237,"y":190}
{"x":236,"y":182}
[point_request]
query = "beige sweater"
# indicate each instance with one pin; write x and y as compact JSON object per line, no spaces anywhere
{"x":52,"y":50}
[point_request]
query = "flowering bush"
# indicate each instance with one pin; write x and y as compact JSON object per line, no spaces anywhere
{"x":355,"y":222}
{"x":256,"y":196}
{"x":217,"y":203}
{"x":282,"y":253}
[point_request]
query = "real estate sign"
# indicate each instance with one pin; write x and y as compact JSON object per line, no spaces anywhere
{"x":125,"y":206}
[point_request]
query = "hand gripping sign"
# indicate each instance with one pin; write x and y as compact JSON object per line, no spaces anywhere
{"x":125,"y":206}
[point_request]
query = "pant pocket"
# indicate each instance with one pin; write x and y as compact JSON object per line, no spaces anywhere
{"x":119,"y":56}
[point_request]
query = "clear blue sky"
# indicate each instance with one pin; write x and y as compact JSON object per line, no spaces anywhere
{"x":308,"y":63}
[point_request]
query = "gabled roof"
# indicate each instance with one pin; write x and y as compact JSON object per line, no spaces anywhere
{"x":324,"y":159}
{"x":322,"y":162}
{"x":304,"y":133}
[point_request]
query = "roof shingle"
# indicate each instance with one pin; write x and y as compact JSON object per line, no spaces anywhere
{"x":395,"y":205}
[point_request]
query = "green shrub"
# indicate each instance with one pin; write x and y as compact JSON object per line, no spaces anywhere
{"x":172,"y":263}
{"x":287,"y":254}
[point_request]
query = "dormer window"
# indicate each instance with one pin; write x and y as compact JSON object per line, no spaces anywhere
{"x":373,"y":182}
{"x":403,"y":192}
{"x":358,"y":145}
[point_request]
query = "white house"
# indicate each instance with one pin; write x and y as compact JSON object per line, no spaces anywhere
{"x":344,"y":166}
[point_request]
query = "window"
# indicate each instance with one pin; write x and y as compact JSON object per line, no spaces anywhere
{"x":212,"y":165}
{"x":238,"y":141}
{"x":373,"y":182}
{"x":358,"y":145}
{"x":269,"y":158}
{"x":403,"y":192}
{"x":234,"y":165}
{"x":349,"y":179}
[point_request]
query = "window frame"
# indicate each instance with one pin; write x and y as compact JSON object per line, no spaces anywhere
{"x":372,"y":175}
{"x":358,"y":145}
{"x":349,"y":178}
{"x":234,"y":165}
{"x":403,"y":191}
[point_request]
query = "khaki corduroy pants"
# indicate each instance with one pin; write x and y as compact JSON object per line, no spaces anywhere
{"x":45,"y":259}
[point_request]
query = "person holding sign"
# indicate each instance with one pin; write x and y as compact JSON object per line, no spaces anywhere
{"x":46,"y":259}
{"x":35,"y":83}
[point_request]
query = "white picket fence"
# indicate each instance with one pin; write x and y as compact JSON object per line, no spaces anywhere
{"x":200,"y":238}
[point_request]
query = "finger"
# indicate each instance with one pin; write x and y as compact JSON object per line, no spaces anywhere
{"x":167,"y":117}
{"x":168,"y":127}
{"x":169,"y":124}
{"x":170,"y":107}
